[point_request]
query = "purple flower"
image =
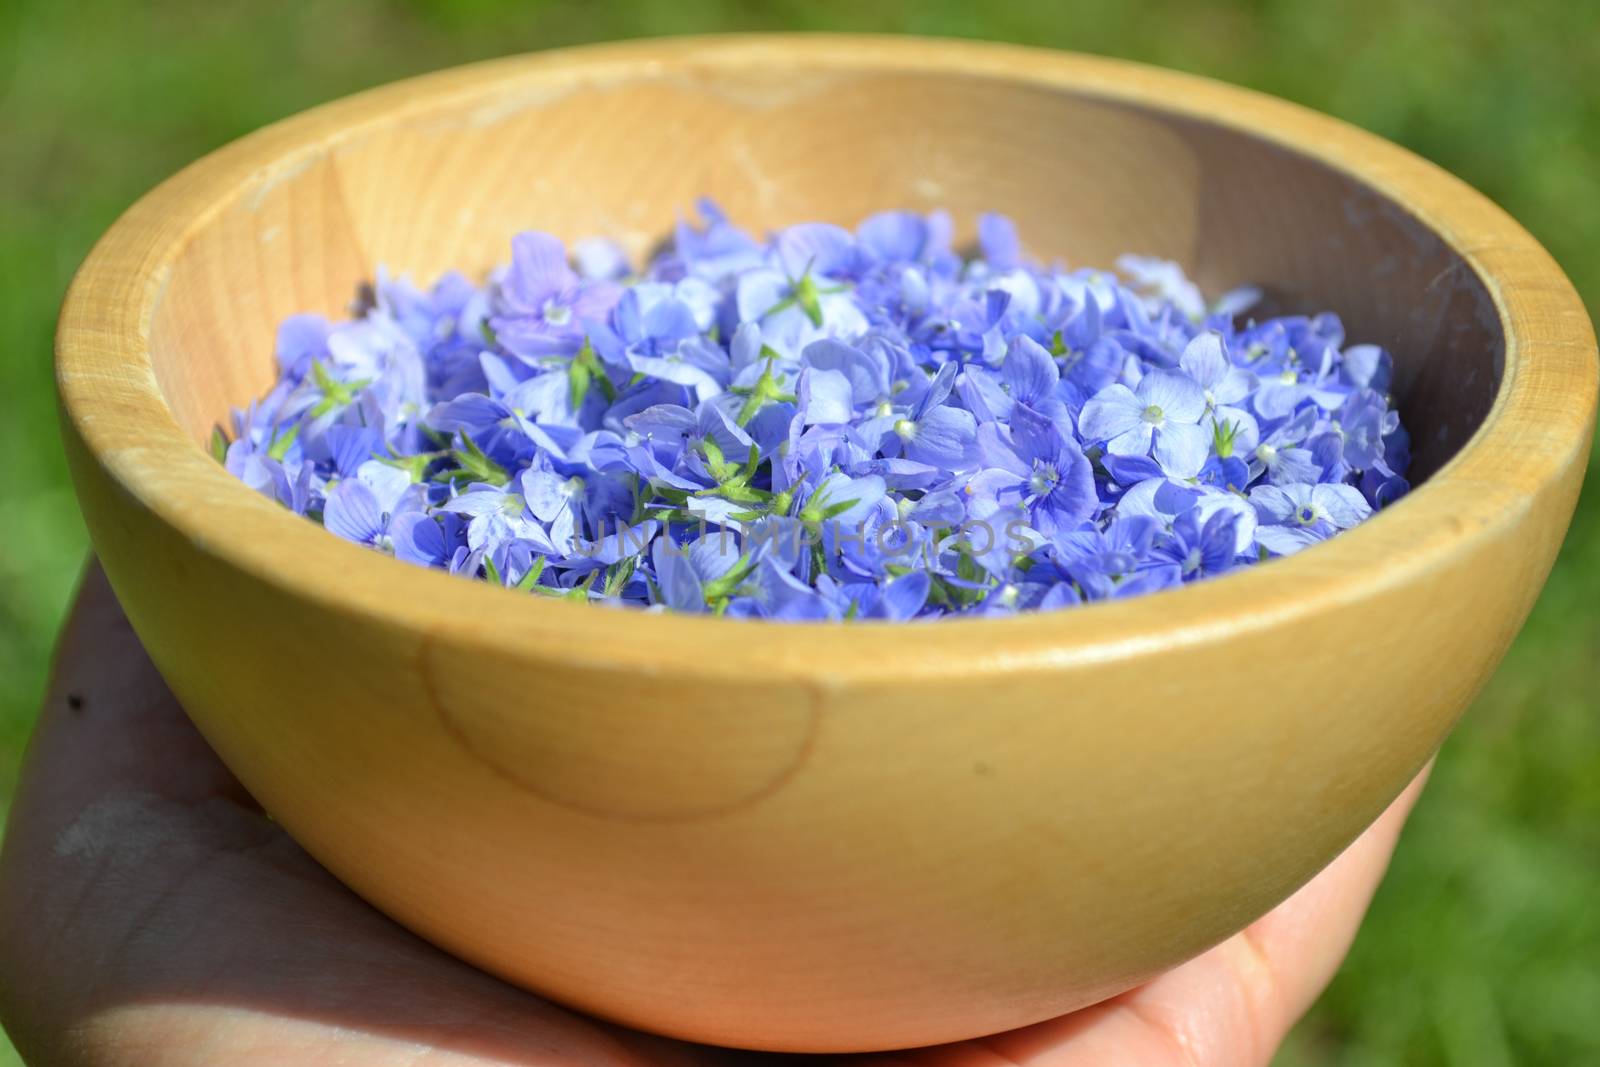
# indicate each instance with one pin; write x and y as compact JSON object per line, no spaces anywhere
{"x":719,"y":248}
{"x":1162,"y":412}
{"x":545,"y":307}
{"x":1281,"y":456}
{"x":501,"y":515}
{"x":933,"y":432}
{"x":825,"y":425}
{"x":1114,"y":562}
{"x":1033,"y":465}
{"x":1164,"y":284}
{"x":1296,"y":516}
{"x":896,"y":600}
{"x":902,"y":237}
{"x":1201,"y":548}
{"x":360,"y":509}
{"x":997,"y":236}
{"x":691,"y":578}
{"x":1205,"y":361}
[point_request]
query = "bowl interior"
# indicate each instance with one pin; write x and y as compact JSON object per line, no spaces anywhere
{"x":444,"y":184}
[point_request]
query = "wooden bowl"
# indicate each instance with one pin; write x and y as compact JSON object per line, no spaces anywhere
{"x":823,"y":837}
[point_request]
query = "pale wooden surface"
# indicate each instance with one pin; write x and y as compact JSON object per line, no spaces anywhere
{"x":823,"y":837}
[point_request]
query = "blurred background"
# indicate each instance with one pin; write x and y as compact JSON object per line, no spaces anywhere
{"x":1483,"y":947}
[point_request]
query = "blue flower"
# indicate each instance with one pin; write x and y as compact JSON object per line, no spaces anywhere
{"x":545,"y":308}
{"x":1031,"y":375}
{"x":268,"y":476}
{"x":1201,"y":548}
{"x":896,"y":600}
{"x":360,"y":509}
{"x":795,"y":309}
{"x":933,"y":432}
{"x":825,"y":425}
{"x":693,"y":577}
{"x":1297,"y":516}
{"x":1114,"y":562}
{"x":1164,"y":284}
{"x":600,"y":259}
{"x":719,"y":248}
{"x":1205,"y":360}
{"x":1358,"y":439}
{"x":997,"y":237}
{"x":1032,"y":464}
{"x":1162,"y":413}
{"x":825,"y":397}
{"x":1281,"y":456}
{"x":428,"y":540}
{"x":901,"y":237}
{"x":501,"y":515}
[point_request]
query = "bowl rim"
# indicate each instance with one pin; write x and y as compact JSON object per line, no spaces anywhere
{"x":1537,"y":428}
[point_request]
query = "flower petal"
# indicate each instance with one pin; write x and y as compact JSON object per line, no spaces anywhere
{"x":944,"y":437}
{"x":676,"y":582}
{"x":1204,"y":360}
{"x":546,"y":494}
{"x":902,"y":597}
{"x":352,"y":512}
{"x":816,"y":247}
{"x":1134,"y":442}
{"x":1181,"y":450}
{"x":1286,"y":540}
{"x":538,"y":271}
{"x":1342,"y":504}
{"x":893,"y":236}
{"x":824,"y":397}
{"x":997,"y":236}
{"x":1273,"y":503}
{"x":1029,"y":371}
{"x":1112,"y":411}
{"x":1178,"y":396}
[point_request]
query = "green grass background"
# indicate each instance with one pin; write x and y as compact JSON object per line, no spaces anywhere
{"x":1483,"y":947}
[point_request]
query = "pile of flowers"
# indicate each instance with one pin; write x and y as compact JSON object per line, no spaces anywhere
{"x":823,"y":425}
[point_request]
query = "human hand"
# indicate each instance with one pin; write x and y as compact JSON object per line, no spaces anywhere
{"x":152,"y":916}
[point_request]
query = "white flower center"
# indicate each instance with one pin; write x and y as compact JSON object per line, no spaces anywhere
{"x":556,"y":313}
{"x":1044,"y":479}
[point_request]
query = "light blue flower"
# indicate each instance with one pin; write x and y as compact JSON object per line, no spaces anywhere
{"x":544,"y":307}
{"x":825,"y":425}
{"x":1160,"y":417}
{"x":1296,"y":516}
{"x":1032,"y":465}
{"x":361,"y":509}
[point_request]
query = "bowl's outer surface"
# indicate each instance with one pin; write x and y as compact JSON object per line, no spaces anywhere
{"x":799,"y":837}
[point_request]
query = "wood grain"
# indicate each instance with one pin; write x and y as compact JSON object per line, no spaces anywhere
{"x":823,"y":837}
